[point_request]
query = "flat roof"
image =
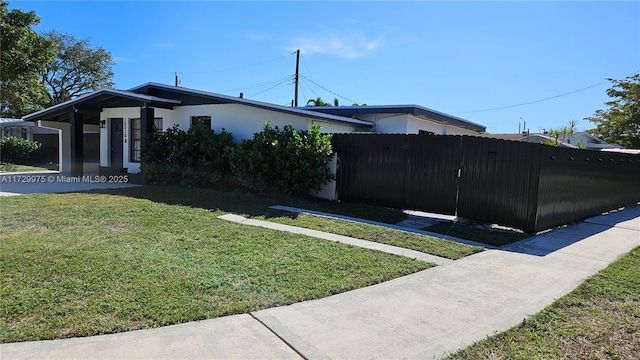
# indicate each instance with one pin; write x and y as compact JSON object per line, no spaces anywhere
{"x":413,"y":109}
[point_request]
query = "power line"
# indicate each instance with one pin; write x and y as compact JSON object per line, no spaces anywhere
{"x":303,"y":93}
{"x":530,"y":102}
{"x":310,"y":88}
{"x":536,"y":101}
{"x":236,"y":68}
{"x":304,"y":62}
{"x":253,"y":86}
{"x":324,"y":88}
{"x":271,"y":88}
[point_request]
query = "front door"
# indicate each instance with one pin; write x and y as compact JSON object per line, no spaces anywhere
{"x":116,"y":142}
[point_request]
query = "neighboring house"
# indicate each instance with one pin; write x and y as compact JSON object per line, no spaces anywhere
{"x":123,"y":118}
{"x":577,"y":140}
{"x":29,"y":130}
{"x":591,"y":142}
{"x":22,"y":129}
{"x":405,"y":119}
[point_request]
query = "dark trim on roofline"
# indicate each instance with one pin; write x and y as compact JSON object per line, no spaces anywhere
{"x":218,"y":98}
{"x":63,"y":107}
{"x":416,"y":110}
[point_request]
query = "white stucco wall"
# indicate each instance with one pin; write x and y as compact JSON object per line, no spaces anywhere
{"x":389,"y":123}
{"x":415,"y":124}
{"x":242,"y":121}
{"x":410,"y":124}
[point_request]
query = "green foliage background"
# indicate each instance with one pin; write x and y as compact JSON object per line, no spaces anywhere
{"x":620,"y":123}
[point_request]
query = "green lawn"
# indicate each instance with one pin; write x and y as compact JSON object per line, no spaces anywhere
{"x":423,"y":243}
{"x":92,"y":263}
{"x":255,"y":206}
{"x":471,"y":232}
{"x":25,"y":168}
{"x":598,"y":320}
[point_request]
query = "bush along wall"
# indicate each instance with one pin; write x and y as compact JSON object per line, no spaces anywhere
{"x":197,"y":157}
{"x":15,"y":150}
{"x":288,"y":161}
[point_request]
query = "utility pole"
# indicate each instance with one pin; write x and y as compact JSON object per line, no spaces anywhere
{"x":176,"y":78}
{"x":295,"y":97}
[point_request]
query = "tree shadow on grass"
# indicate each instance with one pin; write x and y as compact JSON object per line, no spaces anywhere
{"x":252,"y":205}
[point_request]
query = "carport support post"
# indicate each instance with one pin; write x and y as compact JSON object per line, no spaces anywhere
{"x":146,"y":123}
{"x":77,"y":143}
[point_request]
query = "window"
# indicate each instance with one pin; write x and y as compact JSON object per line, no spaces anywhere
{"x":136,"y":140}
{"x":206,"y":120}
{"x":157,"y":122}
{"x":136,"y":137}
{"x":425,"y":132}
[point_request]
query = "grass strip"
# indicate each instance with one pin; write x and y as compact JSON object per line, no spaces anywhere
{"x":598,"y":320}
{"x":423,"y":243}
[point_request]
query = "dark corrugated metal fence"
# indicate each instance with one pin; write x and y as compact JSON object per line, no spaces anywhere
{"x":527,"y":186}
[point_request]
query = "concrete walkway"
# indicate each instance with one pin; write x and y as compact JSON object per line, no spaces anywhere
{"x":339,"y":238}
{"x":412,"y":218}
{"x":21,"y":183}
{"x":425,"y":315}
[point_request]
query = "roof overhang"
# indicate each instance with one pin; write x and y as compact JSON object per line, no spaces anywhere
{"x":98,"y":100}
{"x":188,"y":95}
{"x":416,"y":110}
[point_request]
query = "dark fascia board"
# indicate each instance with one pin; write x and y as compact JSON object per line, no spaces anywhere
{"x":258,"y":104}
{"x":86,"y":99}
{"x":416,"y":110}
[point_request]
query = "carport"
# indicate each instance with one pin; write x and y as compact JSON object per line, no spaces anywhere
{"x":74,"y":117}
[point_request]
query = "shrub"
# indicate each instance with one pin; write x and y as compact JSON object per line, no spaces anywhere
{"x":197,"y":157}
{"x":15,"y":150}
{"x":286,"y":160}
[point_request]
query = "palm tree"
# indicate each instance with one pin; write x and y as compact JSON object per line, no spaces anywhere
{"x":572,"y":129}
{"x":317,"y":102}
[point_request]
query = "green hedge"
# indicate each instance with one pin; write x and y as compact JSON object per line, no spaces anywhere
{"x":15,"y":150}
{"x":197,"y":157}
{"x":286,"y":160}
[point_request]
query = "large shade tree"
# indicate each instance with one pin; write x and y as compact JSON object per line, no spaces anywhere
{"x":620,"y":123}
{"x":78,"y":68}
{"x":24,"y":55}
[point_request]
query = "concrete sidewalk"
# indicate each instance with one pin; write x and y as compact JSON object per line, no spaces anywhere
{"x":425,"y":315}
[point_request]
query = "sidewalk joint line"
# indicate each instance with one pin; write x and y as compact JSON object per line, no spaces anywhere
{"x":279,"y":337}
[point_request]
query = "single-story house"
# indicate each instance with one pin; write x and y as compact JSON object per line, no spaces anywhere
{"x":123,"y":118}
{"x":22,"y":129}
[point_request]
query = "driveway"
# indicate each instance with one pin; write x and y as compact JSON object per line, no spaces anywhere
{"x":21,"y":183}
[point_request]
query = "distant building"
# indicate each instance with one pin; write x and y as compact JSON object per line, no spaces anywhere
{"x":22,"y":129}
{"x":577,"y":140}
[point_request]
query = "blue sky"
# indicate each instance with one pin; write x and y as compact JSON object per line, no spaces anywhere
{"x":454,"y":57}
